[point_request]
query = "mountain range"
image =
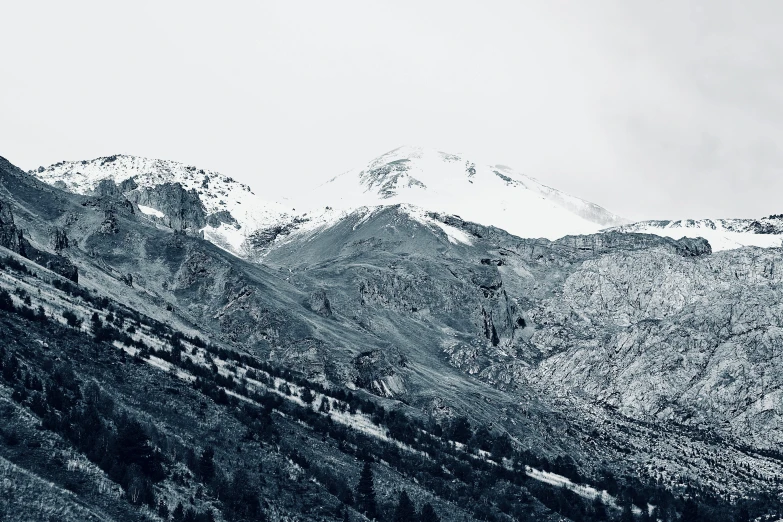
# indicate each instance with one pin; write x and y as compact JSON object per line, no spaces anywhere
{"x":495,"y":348}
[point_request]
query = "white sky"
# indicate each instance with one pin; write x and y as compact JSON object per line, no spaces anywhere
{"x":660,"y":109}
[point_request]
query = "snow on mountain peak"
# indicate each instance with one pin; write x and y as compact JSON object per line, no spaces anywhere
{"x":452,"y":183}
{"x":722,"y":234}
{"x":218,"y":193}
{"x":431,"y":180}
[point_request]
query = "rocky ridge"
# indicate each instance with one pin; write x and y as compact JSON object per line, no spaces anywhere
{"x":723,"y":234}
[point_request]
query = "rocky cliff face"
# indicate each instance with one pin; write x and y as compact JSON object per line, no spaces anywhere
{"x":12,"y":238}
{"x":661,"y":329}
{"x":673,"y":339}
{"x":182,"y":209}
{"x":548,"y":339}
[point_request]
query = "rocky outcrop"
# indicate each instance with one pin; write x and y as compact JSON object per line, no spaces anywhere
{"x":597,"y":244}
{"x":58,"y":239}
{"x":182,"y":209}
{"x":661,"y":337}
{"x":377,"y":372}
{"x":109,"y":225}
{"x":264,"y":237}
{"x":12,"y":238}
{"x":319,"y":303}
{"x":109,"y":188}
{"x":222,"y":217}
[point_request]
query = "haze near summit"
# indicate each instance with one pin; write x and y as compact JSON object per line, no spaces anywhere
{"x":653,"y":110}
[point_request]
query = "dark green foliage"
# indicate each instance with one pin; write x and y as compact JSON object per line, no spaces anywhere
{"x":133,"y":447}
{"x":599,"y":509}
{"x":365,"y":492}
{"x":307,"y":396}
{"x":241,"y":498}
{"x":206,"y":464}
{"x":460,"y":430}
{"x":12,"y":263}
{"x":6,"y":303}
{"x":163,"y":510}
{"x":428,"y":514}
{"x":626,"y":514}
{"x":178,"y":515}
{"x":690,"y":512}
{"x":71,"y":319}
{"x":743,"y":515}
{"x":405,"y":510}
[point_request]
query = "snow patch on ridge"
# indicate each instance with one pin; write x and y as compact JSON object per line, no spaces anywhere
{"x":453,"y":234}
{"x":722,"y":234}
{"x":151,"y":211}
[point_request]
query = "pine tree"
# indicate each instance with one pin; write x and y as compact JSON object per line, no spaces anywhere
{"x":690,"y":511}
{"x":179,"y":513}
{"x":365,"y":492}
{"x":405,"y":511}
{"x":460,"y":430}
{"x":627,"y":514}
{"x":742,"y":514}
{"x":599,"y":509}
{"x":206,"y":464}
{"x":428,"y":514}
{"x":307,"y":396}
{"x":163,"y":510}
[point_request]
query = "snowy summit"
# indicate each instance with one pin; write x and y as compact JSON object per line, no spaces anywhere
{"x":453,"y":184}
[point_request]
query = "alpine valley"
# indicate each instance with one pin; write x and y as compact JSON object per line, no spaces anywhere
{"x":422,"y":338}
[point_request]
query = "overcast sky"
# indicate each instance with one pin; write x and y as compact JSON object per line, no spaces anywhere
{"x":652,"y":109}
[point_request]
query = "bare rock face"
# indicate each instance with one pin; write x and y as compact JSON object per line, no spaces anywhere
{"x":107,"y":187}
{"x":218,"y":218}
{"x":264,"y":237}
{"x":687,"y":340}
{"x":12,"y":238}
{"x":595,"y":244}
{"x":319,"y":303}
{"x":182,"y":208}
{"x":377,"y":372}
{"x":109,"y":224}
{"x":58,"y":239}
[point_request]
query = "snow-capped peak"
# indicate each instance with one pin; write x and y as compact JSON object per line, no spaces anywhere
{"x":429,"y":180}
{"x":218,"y":193}
{"x":452,"y":183}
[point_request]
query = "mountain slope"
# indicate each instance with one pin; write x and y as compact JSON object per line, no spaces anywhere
{"x":231,"y":209}
{"x":435,"y":320}
{"x":723,"y":234}
{"x":230,"y":214}
{"x":452,"y":184}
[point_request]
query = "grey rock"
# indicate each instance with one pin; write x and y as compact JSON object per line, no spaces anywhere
{"x":58,"y":239}
{"x":218,"y":218}
{"x":182,"y":208}
{"x":319,"y":303}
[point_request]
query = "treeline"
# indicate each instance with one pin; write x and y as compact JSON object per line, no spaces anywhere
{"x":473,"y":467}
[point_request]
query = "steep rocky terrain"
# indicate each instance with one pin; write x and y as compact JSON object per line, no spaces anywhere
{"x":232,"y":216}
{"x":723,"y":234}
{"x":176,"y":195}
{"x":660,"y":329}
{"x":636,"y":364}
